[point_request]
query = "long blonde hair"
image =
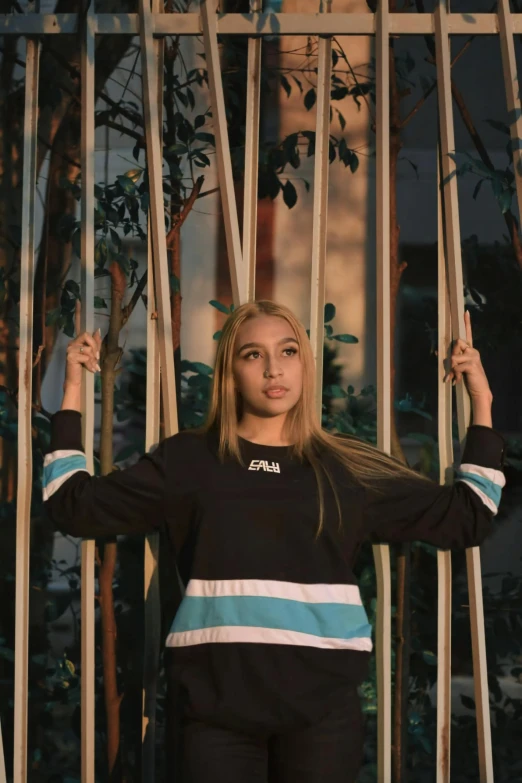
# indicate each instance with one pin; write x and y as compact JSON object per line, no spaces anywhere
{"x":309,"y":441}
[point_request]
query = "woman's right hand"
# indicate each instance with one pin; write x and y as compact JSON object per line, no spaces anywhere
{"x":83,"y":351}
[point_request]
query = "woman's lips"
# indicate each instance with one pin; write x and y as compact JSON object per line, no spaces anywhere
{"x":275,"y":393}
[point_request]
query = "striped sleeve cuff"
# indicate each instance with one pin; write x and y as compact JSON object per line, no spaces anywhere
{"x":487,"y":483}
{"x":66,"y":456}
{"x":482,"y":465}
{"x":59,"y":466}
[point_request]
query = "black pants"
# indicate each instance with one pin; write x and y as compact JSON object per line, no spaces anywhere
{"x":327,"y":752}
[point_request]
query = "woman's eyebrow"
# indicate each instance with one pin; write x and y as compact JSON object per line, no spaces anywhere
{"x":258,"y":345}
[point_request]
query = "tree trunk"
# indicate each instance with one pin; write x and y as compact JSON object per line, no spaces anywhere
{"x":107,"y":559}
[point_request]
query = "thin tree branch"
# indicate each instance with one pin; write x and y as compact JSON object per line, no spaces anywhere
{"x":424,"y":98}
{"x":122,"y":128}
{"x":187,"y":206}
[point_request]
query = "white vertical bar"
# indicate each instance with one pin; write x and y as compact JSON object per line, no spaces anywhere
{"x":512,"y":86}
{"x":455,"y":282}
{"x":157,"y":215}
{"x":151,"y":574}
{"x":251,"y":159}
{"x":226,"y":182}
{"x":382,"y":553}
{"x":443,"y":557}
{"x":152,"y":432}
{"x":25,"y":375}
{"x":87,"y":325}
{"x":320,"y":212}
{"x":3,"y":775}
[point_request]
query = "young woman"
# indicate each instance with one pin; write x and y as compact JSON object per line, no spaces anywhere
{"x":265,"y":513}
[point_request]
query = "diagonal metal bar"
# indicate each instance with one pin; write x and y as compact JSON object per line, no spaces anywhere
{"x":152,"y":433}
{"x":87,"y":325}
{"x":456,"y":289}
{"x":381,"y":552}
{"x":445,"y":463}
{"x":3,"y":775}
{"x":320,"y":212}
{"x":25,"y":452}
{"x":157,"y":215}
{"x":224,"y":162}
{"x":512,"y":86}
{"x":251,"y":159}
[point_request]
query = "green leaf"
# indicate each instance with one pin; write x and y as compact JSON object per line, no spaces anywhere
{"x":351,"y":390}
{"x":178,"y":149}
{"x":298,"y":82}
{"x":197,"y":367}
{"x":334,"y":391}
{"x":202,"y":157}
{"x":115,"y":238}
{"x":477,"y":188}
{"x":209,"y":138}
{"x":345,"y":338}
{"x":99,"y":302}
{"x":354,"y":163}
{"x":289,"y":194}
{"x":500,"y":126}
{"x":134,"y":174}
{"x":216,"y":335}
{"x":329,"y":312}
{"x":286,"y":85}
{"x":309,"y":99}
{"x":504,"y":200}
{"x":467,"y":702}
{"x":429,"y":657}
{"x":52,"y":316}
{"x":126,"y":184}
{"x":221,"y":307}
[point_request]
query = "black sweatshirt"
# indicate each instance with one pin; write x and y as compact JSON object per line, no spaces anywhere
{"x":271,"y":633}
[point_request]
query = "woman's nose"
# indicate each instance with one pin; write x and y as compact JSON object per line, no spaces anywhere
{"x":272,"y":370}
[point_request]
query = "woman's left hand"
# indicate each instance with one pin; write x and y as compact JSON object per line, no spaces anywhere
{"x":465,"y":362}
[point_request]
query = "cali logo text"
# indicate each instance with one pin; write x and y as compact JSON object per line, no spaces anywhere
{"x":263,"y":464}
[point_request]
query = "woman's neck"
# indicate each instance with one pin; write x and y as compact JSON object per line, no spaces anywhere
{"x":263,"y":431}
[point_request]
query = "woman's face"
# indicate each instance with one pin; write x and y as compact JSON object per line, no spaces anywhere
{"x":267,"y":366}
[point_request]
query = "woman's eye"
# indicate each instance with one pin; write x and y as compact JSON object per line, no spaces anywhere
{"x":291,"y":351}
{"x":252,"y":353}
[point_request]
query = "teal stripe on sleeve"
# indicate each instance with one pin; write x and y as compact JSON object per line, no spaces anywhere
{"x":489,"y":488}
{"x":61,"y":466}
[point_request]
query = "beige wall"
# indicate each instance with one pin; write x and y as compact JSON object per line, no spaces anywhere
{"x":350,"y":257}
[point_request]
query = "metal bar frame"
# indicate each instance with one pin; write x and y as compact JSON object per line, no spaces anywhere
{"x":157,"y":221}
{"x":381,"y":553}
{"x":3,"y":774}
{"x":320,"y":211}
{"x":151,"y":585}
{"x":456,"y":287}
{"x":255,"y":24}
{"x":25,"y":411}
{"x":444,"y":584}
{"x":238,"y":276}
{"x":251,"y":159}
{"x":153,"y":25}
{"x":87,"y":325}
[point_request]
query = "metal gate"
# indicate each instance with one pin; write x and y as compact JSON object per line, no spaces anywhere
{"x":152,"y":25}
